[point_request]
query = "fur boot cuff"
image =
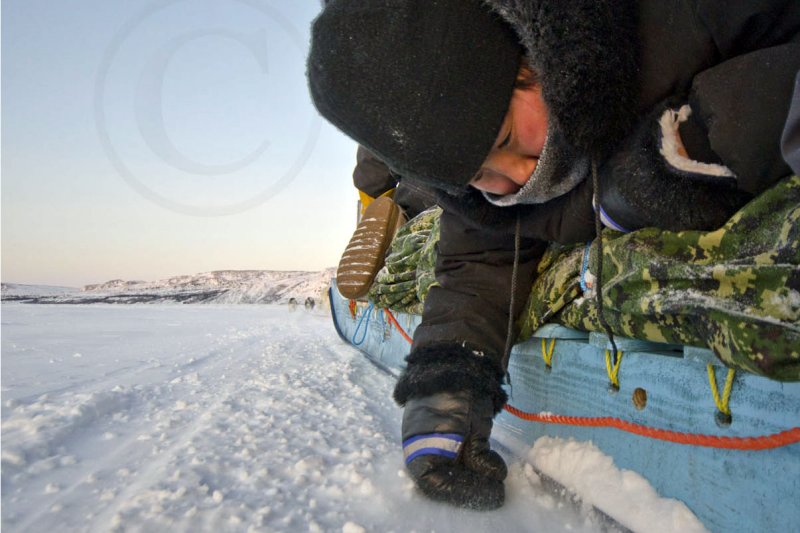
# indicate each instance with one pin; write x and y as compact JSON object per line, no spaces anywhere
{"x":450,"y":367}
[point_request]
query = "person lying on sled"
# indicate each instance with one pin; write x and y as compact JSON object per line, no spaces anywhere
{"x":522,"y":113}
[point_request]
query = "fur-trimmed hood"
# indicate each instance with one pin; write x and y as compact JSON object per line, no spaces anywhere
{"x":586,"y":55}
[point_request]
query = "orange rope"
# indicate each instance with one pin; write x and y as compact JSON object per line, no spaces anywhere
{"x":763,"y":442}
{"x":393,"y":320}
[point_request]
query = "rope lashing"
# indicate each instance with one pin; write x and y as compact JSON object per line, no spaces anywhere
{"x":393,"y":321}
{"x":760,"y":442}
{"x":387,"y":325}
{"x":547,"y":353}
{"x":598,"y":229}
{"x":512,"y":299}
{"x":723,"y":402}
{"x":613,"y":368}
{"x":366,"y":314}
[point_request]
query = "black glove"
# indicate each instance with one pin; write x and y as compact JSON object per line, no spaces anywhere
{"x":450,"y":394}
{"x":446,"y":448}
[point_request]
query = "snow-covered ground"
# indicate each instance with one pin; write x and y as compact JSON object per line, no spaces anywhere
{"x":220,"y":418}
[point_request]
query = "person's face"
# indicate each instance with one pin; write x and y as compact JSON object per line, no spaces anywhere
{"x":518,"y":146}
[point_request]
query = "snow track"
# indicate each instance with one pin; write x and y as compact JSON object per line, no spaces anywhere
{"x":212,"y":418}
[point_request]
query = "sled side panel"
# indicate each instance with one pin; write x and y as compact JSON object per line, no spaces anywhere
{"x":729,"y":490}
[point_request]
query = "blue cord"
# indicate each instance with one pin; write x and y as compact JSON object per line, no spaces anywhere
{"x":585,"y":266}
{"x":366,"y":314}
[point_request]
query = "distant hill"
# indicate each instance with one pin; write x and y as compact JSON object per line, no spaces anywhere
{"x":18,"y":289}
{"x":221,"y":286}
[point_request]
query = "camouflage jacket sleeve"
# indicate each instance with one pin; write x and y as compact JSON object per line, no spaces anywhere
{"x":470,"y":305}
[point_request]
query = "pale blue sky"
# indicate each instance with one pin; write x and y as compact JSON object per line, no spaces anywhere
{"x":142,"y":140}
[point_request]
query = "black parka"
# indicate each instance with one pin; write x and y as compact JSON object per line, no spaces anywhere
{"x":734,"y":62}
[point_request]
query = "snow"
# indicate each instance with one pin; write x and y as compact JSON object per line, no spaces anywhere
{"x":220,"y":418}
{"x":623,"y":494}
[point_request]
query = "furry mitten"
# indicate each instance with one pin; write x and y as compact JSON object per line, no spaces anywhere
{"x":446,"y":446}
{"x":450,"y":394}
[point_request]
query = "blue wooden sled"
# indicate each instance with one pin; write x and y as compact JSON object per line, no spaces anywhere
{"x":664,"y":391}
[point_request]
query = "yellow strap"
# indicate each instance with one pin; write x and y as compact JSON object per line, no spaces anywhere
{"x":366,"y":199}
{"x":547,"y":353}
{"x":722,"y":403}
{"x":613,"y":373}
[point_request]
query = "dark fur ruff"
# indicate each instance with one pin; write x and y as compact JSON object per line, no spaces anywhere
{"x":638,"y":188}
{"x":587,"y":58}
{"x":450,"y":367}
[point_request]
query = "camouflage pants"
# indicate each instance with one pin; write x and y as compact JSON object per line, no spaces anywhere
{"x":403,"y":283}
{"x":735,"y":290}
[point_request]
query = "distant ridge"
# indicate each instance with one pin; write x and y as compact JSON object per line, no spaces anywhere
{"x":20,"y":289}
{"x":220,"y":286}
